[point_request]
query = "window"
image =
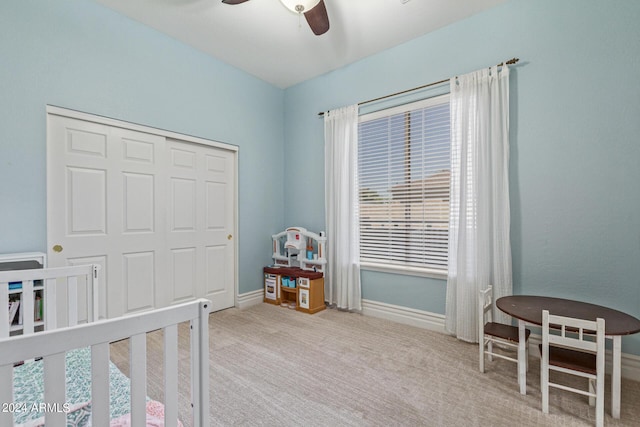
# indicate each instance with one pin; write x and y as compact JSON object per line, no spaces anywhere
{"x":403,"y":179}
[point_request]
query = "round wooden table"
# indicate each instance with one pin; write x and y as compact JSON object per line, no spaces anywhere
{"x":528,"y":310}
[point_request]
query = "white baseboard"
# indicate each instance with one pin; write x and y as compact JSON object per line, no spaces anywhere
{"x":630,"y":366}
{"x":405,"y":315}
{"x":435,"y":322}
{"x":250,"y":298}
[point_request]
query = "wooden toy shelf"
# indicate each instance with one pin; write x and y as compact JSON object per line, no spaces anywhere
{"x":308,"y":293}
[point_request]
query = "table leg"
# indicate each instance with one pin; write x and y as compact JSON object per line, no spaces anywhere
{"x":615,"y":376}
{"x":522,"y":362}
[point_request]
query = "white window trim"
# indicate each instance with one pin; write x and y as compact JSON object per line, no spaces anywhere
{"x":415,"y":105}
{"x":404,"y":270}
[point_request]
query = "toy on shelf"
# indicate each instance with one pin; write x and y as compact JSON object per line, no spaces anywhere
{"x":297,"y":247}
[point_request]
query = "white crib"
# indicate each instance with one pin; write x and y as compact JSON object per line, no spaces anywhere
{"x":60,"y":290}
{"x":55,"y":342}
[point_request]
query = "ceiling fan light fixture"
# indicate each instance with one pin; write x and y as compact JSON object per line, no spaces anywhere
{"x":314,"y":11}
{"x":300,"y":6}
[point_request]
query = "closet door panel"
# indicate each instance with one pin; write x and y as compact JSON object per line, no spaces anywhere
{"x":139,"y":207}
{"x":87,"y":201}
{"x":202,"y":219}
{"x":105,"y":201}
{"x":216,"y":269}
{"x":139,"y":277}
{"x":184,"y":274}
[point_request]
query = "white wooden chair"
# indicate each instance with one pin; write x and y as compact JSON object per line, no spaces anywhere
{"x":490,"y":332}
{"x":573,"y":353}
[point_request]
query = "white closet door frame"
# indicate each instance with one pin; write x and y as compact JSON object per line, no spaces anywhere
{"x":59,"y":111}
{"x":73,"y":114}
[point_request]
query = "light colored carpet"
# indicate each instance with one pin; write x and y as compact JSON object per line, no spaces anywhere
{"x":271,"y":366}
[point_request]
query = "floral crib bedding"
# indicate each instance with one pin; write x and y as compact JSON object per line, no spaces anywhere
{"x":28,"y":384}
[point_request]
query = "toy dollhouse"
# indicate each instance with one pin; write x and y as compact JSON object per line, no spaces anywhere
{"x":296,"y":278}
{"x":297,"y":247}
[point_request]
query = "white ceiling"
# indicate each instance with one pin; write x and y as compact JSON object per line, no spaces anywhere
{"x":270,"y":42}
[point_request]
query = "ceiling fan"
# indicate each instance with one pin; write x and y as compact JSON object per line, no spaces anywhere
{"x":314,"y":11}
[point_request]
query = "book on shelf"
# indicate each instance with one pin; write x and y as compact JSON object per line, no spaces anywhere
{"x":37,"y":309}
{"x":13,"y":309}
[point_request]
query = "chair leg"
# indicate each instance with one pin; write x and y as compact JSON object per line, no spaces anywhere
{"x":544,"y":387}
{"x":481,"y":355}
{"x":522,"y":350}
{"x":490,"y":348}
{"x":600,"y":399}
{"x":592,"y":389}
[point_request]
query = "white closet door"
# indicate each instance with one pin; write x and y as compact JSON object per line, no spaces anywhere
{"x":201,"y":216}
{"x":158,"y":214}
{"x":105,"y":201}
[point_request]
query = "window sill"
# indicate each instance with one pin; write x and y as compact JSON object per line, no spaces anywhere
{"x":409,"y":271}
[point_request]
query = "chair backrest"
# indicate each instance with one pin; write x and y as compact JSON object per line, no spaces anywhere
{"x":573,"y":332}
{"x":573,"y":354}
{"x":485,"y":310}
{"x":485,"y":305}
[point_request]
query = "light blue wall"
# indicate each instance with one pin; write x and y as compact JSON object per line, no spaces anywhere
{"x":574,"y":130}
{"x":82,"y":56}
{"x":575,"y":144}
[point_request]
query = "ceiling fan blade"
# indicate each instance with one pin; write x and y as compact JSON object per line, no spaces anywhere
{"x":234,"y":1}
{"x":318,"y":19}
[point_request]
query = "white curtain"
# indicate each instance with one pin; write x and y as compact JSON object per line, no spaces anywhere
{"x":479,"y":246}
{"x":342,"y":277}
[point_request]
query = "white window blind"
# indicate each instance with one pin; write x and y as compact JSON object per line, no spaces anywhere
{"x":403,"y":178}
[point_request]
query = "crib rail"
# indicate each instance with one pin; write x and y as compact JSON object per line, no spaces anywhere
{"x":54,"y":344}
{"x":55,"y":281}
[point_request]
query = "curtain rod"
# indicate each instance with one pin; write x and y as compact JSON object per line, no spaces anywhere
{"x":509,"y":62}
